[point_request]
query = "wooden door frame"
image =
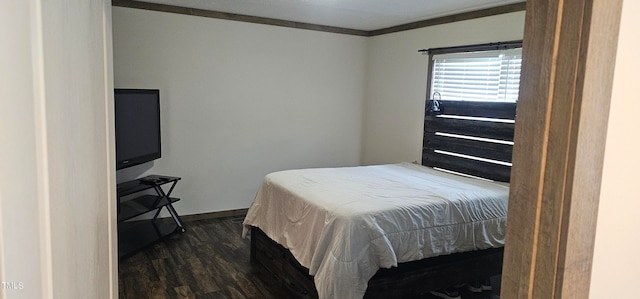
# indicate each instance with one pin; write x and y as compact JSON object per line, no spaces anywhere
{"x":569,"y":47}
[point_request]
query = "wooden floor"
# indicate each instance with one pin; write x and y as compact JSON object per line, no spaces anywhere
{"x":210,"y":260}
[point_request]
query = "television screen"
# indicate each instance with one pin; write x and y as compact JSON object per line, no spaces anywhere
{"x":137,"y":120}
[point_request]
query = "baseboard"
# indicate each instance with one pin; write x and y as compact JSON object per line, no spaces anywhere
{"x":214,"y":215}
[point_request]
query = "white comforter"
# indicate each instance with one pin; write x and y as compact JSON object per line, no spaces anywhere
{"x":346,"y":223}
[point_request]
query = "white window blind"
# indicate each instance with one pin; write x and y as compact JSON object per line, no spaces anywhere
{"x":477,"y":76}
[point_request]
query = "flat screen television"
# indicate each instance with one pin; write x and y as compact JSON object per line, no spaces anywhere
{"x":137,"y":120}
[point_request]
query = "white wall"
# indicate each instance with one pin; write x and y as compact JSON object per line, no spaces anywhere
{"x":397,"y":78}
{"x":240,"y":100}
{"x":57,"y":214}
{"x":616,"y":263}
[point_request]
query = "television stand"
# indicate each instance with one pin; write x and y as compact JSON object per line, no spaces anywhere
{"x":133,"y":201}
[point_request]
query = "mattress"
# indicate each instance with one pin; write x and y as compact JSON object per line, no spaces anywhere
{"x":344,"y":224}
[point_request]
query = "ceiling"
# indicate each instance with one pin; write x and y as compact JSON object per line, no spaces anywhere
{"x":352,"y":14}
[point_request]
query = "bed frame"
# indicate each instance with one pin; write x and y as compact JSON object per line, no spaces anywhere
{"x":474,"y":138}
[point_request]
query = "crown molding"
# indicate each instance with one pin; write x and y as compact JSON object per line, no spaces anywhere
{"x":307,"y":26}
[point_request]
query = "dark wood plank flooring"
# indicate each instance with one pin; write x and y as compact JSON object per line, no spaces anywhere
{"x":209,"y":260}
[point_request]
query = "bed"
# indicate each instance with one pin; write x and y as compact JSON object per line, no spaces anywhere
{"x":391,"y":230}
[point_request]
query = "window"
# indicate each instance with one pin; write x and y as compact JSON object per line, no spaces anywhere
{"x":488,"y":72}
{"x":470,"y":116}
